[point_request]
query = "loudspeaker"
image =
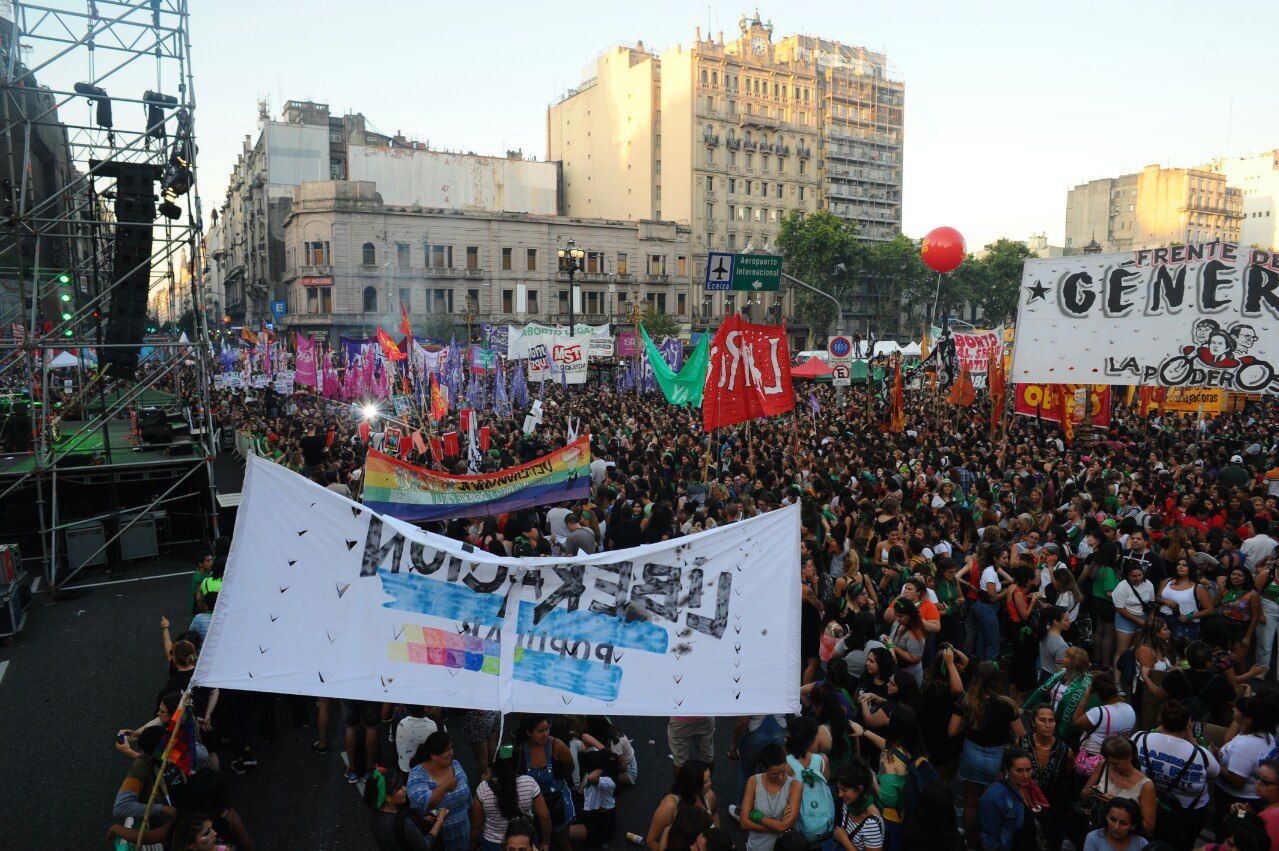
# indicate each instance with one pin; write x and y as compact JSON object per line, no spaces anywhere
{"x":17,"y":432}
{"x":126,"y":318}
{"x":156,"y":432}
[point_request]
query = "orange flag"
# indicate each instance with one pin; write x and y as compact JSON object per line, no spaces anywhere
{"x":962,"y":392}
{"x":897,"y":405}
{"x":1063,"y":413}
{"x":995,"y":383}
{"x":389,"y":348}
{"x":405,"y":327}
{"x":439,"y":401}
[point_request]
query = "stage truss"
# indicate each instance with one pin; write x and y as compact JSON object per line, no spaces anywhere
{"x":61,"y":60}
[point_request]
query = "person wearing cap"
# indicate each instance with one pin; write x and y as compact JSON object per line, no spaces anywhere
{"x":1234,"y":475}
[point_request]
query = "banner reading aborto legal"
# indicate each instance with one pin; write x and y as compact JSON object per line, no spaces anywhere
{"x":413,"y":493}
{"x":1200,"y":315}
{"x":323,"y":596}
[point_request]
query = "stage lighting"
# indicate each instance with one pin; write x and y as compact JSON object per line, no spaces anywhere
{"x":99,"y":96}
{"x":170,"y":210}
{"x":370,"y":411}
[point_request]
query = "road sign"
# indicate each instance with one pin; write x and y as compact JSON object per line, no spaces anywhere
{"x":719,"y":270}
{"x":743,"y":272}
{"x":841,"y":361}
{"x":757,"y":273}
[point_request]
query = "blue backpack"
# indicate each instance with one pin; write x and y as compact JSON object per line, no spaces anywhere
{"x":920,"y":773}
{"x":817,"y":804}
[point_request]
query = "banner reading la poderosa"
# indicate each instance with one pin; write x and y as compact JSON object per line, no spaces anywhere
{"x":749,"y":374}
{"x":409,"y":492}
{"x":1199,"y":315}
{"x":322,"y":596}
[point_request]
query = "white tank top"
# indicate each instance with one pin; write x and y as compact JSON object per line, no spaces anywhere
{"x":1185,"y":600}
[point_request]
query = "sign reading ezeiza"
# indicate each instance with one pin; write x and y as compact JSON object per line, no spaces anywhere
{"x":1199,"y":315}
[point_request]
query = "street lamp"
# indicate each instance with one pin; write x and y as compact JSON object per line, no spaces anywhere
{"x":572,"y":261}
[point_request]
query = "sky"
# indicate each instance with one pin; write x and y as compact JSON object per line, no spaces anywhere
{"x":1008,"y":104}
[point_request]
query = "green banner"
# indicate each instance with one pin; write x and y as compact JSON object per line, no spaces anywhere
{"x":684,"y":387}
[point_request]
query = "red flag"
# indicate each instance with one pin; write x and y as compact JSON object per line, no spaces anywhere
{"x":1063,"y":412}
{"x":405,"y":327}
{"x":897,"y":407}
{"x":437,"y":449}
{"x":180,"y":743}
{"x":1144,"y":394}
{"x":464,"y":419}
{"x":389,"y":348}
{"x":962,"y":392}
{"x":406,"y":446}
{"x":749,"y":374}
{"x":484,"y":438}
{"x":439,"y":401}
{"x":995,"y":383}
{"x":247,"y":335}
{"x":418,"y":443}
{"x":450,"y":444}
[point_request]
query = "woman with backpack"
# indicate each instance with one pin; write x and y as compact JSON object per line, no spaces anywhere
{"x":1182,"y":771}
{"x":550,"y":762}
{"x":817,"y":804}
{"x":903,"y":769}
{"x":770,"y":805}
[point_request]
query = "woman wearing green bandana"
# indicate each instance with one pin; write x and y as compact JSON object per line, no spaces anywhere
{"x":393,"y":823}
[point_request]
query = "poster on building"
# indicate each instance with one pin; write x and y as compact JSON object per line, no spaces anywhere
{"x":1198,"y":315}
{"x":323,"y":596}
{"x":560,"y":359}
{"x":1040,"y":400}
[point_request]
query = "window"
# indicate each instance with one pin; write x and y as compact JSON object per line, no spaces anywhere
{"x":621,"y":263}
{"x":802,"y":165}
{"x":730,"y":304}
{"x":750,"y":160}
{"x":681,"y":302}
{"x":441,"y":257}
{"x":801,"y":193}
{"x":406,"y":298}
{"x":710,"y":210}
{"x":594,"y":301}
{"x":746,"y":186}
{"x":732,"y":212}
{"x":473,"y":299}
{"x":563,"y":300}
{"x":681,"y":266}
{"x":595,"y":262}
{"x":732,"y":185}
{"x":369,"y":254}
{"x":506,"y":259}
{"x":319,"y":299}
{"x":710,"y":156}
{"x":657,"y":264}
{"x":370,"y":299}
{"x":530,"y":299}
{"x":779,"y":190}
{"x":317,"y":253}
{"x":732,"y":241}
{"x":710,"y":183}
{"x":402,"y":255}
{"x":732,"y":158}
{"x":472,"y":257}
{"x":763,"y":163}
{"x":508,"y":301}
{"x":530,"y":259}
{"x":440,"y":300}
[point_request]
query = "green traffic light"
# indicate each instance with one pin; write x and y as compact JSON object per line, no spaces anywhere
{"x":68,"y":333}
{"x":65,"y":297}
{"x":64,"y":278}
{"x":66,"y":317}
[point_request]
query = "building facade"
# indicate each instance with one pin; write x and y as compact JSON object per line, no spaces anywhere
{"x":730,"y":136}
{"x":1257,"y":178}
{"x":350,"y":259}
{"x":1153,"y":207}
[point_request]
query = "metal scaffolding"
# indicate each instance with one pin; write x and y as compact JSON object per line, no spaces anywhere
{"x":86,"y":87}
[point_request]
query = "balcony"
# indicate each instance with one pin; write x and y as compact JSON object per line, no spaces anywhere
{"x":732,"y":143}
{"x":750,"y":145}
{"x":765,"y":147}
{"x":473,"y":274}
{"x":711,"y":140}
{"x":581,"y":318}
{"x":782,"y":150}
{"x":804,"y":152}
{"x":443,"y":272}
{"x":657,"y":278}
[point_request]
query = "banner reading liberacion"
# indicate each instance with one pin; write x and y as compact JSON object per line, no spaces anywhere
{"x":414,"y":493}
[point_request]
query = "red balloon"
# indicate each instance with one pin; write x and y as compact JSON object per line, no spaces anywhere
{"x":943,"y":249}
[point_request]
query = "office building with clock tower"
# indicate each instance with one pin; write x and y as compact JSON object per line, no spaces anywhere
{"x":728,"y":136}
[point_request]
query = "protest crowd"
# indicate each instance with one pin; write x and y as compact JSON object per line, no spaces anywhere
{"x":1008,"y":641}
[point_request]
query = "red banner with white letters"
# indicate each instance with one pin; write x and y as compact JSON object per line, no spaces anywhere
{"x":749,"y":374}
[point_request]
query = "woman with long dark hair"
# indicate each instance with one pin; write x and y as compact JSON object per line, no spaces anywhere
{"x":507,"y":794}
{"x":436,"y":781}
{"x":550,"y":762}
{"x":394,"y":824}
{"x":692,"y":788}
{"x":990,"y":722}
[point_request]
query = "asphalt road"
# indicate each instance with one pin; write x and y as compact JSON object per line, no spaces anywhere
{"x":87,"y":666}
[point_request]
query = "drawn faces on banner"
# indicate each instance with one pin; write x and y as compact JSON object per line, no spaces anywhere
{"x":322,"y":596}
{"x":1200,"y":315}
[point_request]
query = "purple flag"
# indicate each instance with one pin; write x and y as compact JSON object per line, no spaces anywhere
{"x":304,"y":373}
{"x":813,"y":404}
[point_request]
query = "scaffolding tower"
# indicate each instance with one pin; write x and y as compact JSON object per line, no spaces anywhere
{"x":91,"y":90}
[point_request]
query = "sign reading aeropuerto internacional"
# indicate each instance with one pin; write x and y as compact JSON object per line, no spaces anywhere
{"x":1199,"y":315}
{"x":323,"y":596}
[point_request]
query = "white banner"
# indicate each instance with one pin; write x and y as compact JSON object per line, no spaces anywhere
{"x":323,"y":597}
{"x":520,"y":341}
{"x":560,"y":359}
{"x":1202,"y":315}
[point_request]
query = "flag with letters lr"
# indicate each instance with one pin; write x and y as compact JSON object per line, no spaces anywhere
{"x":389,"y":348}
{"x":749,"y":374}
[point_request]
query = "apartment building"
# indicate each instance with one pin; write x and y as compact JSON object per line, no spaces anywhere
{"x":1257,"y":179}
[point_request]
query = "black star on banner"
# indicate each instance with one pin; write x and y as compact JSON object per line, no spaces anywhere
{"x":1037,"y":291}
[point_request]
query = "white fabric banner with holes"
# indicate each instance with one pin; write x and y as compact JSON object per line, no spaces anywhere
{"x":324,"y":597}
{"x":1199,"y":315}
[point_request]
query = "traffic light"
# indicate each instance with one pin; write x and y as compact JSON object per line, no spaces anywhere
{"x":66,"y":295}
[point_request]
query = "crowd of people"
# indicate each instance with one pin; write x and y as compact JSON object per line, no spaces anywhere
{"x":1007,"y":642}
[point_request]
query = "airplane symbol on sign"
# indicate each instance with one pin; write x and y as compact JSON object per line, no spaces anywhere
{"x":719,"y":272}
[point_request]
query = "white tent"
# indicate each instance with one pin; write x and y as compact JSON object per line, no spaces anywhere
{"x":64,"y":360}
{"x":912,"y":350}
{"x":886,"y":347}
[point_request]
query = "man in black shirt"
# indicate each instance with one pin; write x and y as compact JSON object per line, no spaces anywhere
{"x":312,"y":448}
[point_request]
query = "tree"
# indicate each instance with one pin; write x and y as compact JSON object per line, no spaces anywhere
{"x":435,"y":326}
{"x":995,"y":286}
{"x":822,"y":250}
{"x":904,"y":281}
{"x":659,"y":325}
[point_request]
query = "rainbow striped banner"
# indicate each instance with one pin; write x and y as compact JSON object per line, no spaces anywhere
{"x":415,"y":493}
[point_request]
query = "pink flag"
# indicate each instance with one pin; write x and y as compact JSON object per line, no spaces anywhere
{"x":352,"y":382}
{"x":369,"y":386}
{"x":304,"y":366}
{"x":266,"y":357}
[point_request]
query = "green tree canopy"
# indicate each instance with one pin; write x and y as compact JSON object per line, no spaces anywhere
{"x":659,"y":325}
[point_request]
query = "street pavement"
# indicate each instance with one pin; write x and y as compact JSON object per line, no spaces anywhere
{"x":86,"y":666}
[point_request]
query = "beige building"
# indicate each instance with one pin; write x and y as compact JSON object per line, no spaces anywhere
{"x":1257,"y":177}
{"x":728,"y":137}
{"x":1153,"y":207}
{"x":350,"y":258}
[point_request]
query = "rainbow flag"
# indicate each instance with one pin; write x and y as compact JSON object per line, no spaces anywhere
{"x":182,"y":730}
{"x":413,"y":493}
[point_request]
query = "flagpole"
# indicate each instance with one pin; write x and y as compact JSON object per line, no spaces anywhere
{"x":164,"y":760}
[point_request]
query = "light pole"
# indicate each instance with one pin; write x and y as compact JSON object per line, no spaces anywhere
{"x":572,"y":261}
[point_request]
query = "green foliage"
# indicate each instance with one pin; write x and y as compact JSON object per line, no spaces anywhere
{"x":820,"y":249}
{"x":995,"y":288}
{"x":659,"y":325}
{"x":434,"y":326}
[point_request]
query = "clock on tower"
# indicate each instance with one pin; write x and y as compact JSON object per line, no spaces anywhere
{"x":759,"y":45}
